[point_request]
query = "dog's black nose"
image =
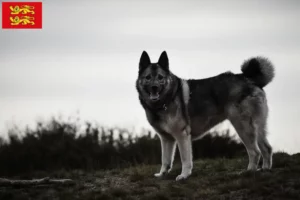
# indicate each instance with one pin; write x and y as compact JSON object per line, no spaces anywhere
{"x":154,"y":88}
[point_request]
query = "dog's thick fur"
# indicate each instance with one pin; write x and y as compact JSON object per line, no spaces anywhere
{"x":183,"y":110}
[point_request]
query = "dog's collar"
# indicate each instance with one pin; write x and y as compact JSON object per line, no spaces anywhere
{"x":165,"y":107}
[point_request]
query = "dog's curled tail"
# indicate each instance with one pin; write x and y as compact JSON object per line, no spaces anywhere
{"x":258,"y":69}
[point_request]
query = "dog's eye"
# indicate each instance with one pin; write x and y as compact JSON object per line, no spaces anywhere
{"x":160,"y":77}
{"x":148,"y":77}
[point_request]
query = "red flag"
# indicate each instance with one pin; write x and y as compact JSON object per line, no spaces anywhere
{"x":21,"y":15}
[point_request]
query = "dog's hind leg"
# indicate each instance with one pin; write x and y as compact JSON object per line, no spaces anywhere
{"x":248,"y":135}
{"x":168,"y":146}
{"x":246,"y":128}
{"x":265,"y":149}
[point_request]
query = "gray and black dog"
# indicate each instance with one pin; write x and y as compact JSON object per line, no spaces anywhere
{"x":184,"y":110}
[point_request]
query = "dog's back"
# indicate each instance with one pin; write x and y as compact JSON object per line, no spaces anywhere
{"x":213,"y":99}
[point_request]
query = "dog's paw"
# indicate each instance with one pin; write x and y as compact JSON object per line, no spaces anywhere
{"x":162,"y":173}
{"x":260,"y":170}
{"x":159,"y":175}
{"x":181,"y":177}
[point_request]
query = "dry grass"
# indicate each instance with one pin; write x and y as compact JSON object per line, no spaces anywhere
{"x":211,"y":179}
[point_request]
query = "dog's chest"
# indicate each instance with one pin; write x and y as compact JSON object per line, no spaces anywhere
{"x":171,"y":120}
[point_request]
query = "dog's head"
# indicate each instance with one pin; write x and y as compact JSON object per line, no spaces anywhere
{"x":155,"y":80}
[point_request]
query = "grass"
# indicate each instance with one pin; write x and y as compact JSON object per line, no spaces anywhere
{"x":211,"y":180}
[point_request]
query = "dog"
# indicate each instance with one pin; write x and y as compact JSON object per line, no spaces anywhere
{"x":184,"y":110}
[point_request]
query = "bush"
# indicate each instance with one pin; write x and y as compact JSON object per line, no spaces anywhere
{"x":58,"y":145}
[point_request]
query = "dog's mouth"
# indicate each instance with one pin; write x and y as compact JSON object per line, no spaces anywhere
{"x":154,"y":96}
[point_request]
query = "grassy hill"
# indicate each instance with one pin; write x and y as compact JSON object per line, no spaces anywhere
{"x":211,"y":179}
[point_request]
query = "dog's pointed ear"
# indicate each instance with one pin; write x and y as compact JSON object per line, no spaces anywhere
{"x":164,"y":61}
{"x":144,"y":61}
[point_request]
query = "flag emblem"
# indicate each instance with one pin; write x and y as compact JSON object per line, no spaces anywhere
{"x":21,"y":15}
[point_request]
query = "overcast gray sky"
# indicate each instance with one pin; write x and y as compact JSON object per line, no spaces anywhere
{"x":86,"y":57}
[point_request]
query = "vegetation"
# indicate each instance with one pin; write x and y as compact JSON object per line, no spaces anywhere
{"x":110,"y":163}
{"x":59,"y":145}
{"x":212,"y":179}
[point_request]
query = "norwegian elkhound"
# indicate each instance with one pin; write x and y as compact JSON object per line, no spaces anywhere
{"x":183,"y":110}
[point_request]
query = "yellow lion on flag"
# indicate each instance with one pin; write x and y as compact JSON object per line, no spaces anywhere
{"x":23,"y":20}
{"x":21,"y":9}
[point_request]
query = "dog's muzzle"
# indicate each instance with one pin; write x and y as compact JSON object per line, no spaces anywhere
{"x":154,"y":94}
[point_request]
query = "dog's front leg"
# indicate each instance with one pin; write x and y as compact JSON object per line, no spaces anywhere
{"x":167,"y":155}
{"x":185,"y":148}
